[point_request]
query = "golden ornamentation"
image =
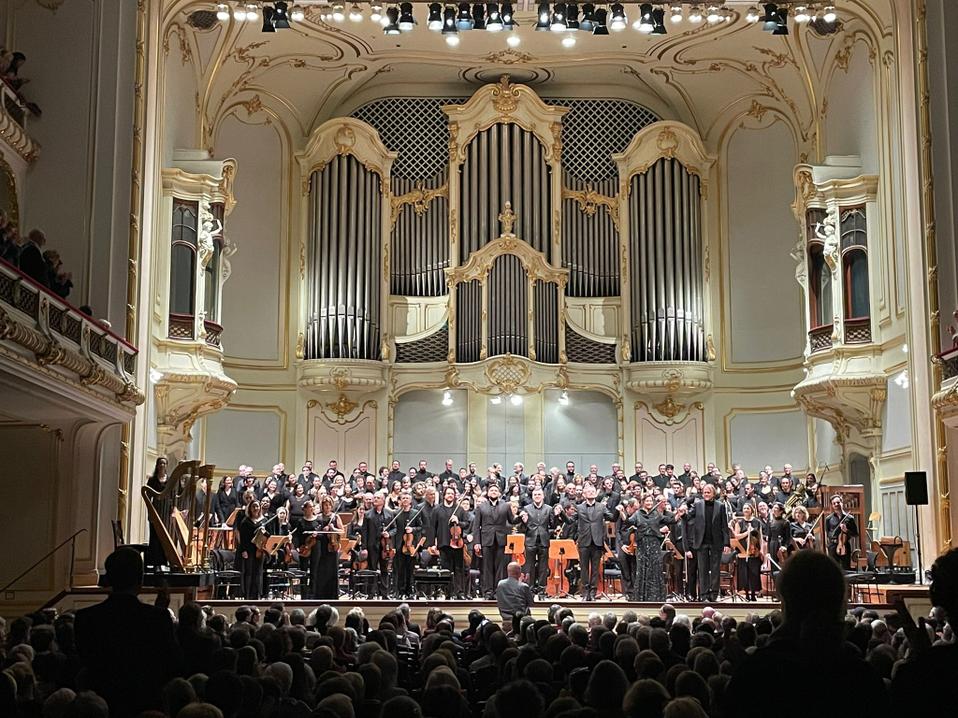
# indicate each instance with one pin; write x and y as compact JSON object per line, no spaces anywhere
{"x":345,"y":139}
{"x":556,"y":128}
{"x":480,"y":263}
{"x":252,"y":105}
{"x":589,"y":202}
{"x":669,"y":408}
{"x":341,"y":407}
{"x":302,"y":260}
{"x":505,"y":97}
{"x":419,"y":198}
{"x":509,"y":56}
{"x":667,"y":142}
{"x":508,"y":373}
{"x":507,"y":218}
{"x":709,"y":348}
{"x":340,"y":376}
{"x":757,"y":110}
{"x":186,"y":53}
{"x":300,"y":346}
{"x":453,"y":227}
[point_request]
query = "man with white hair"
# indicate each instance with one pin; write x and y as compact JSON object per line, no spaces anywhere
{"x":513,"y":597}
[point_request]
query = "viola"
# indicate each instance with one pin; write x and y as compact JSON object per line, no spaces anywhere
{"x":455,"y":536}
{"x":632,"y":546}
{"x":386,"y":549}
{"x":308,"y":545}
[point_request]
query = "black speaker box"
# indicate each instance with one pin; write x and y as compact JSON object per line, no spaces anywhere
{"x":916,"y":488}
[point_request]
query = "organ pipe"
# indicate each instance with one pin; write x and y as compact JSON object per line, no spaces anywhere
{"x":345,"y":231}
{"x":590,"y":243}
{"x":420,"y":244}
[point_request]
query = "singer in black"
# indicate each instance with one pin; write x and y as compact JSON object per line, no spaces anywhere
{"x":493,"y":519}
{"x":591,"y":517}
{"x":841,"y":528}
{"x":748,"y":531}
{"x":708,"y":524}
{"x":651,"y":522}
{"x":375,"y":534}
{"x":537,"y":521}
{"x":408,"y":523}
{"x":252,"y":566}
{"x":447,"y":517}
{"x":625,"y":547}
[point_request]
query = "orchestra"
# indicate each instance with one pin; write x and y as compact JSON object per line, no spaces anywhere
{"x":672,"y":536}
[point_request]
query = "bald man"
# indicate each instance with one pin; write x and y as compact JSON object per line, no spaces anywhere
{"x":513,"y":597}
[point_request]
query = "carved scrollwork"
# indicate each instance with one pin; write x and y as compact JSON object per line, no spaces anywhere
{"x":589,"y":202}
{"x":419,"y":198}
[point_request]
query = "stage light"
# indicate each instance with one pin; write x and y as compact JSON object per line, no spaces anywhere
{"x":280,"y":18}
{"x":392,"y":21}
{"x":515,"y":400}
{"x":829,"y":14}
{"x":782,"y":27}
{"x":267,"y":19}
{"x":479,"y":16}
{"x":572,"y":16}
{"x":338,"y":12}
{"x":752,"y":14}
{"x":542,"y":23}
{"x":564,"y":398}
{"x":447,"y":398}
{"x":658,"y":22}
{"x":568,"y":41}
{"x":297,"y":14}
{"x":464,"y":18}
{"x":675,"y":13}
{"x":508,"y":16}
{"x":406,"y":20}
{"x":375,"y":12}
{"x":770,"y":20}
{"x":449,"y":28}
{"x":802,"y":14}
{"x":497,"y":400}
{"x":222,"y":11}
{"x":598,"y":24}
{"x":644,"y":22}
{"x":617,"y":19}
{"x":239,"y":13}
{"x":494,"y":18}
{"x":695,"y":14}
{"x":356,"y":13}
{"x":434,"y":22}
{"x":252,"y":12}
{"x":713,"y":15}
{"x":557,"y":24}
{"x":587,"y":24}
{"x":513,"y":40}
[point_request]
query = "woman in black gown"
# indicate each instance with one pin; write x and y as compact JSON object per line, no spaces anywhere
{"x":748,"y":530}
{"x":252,"y":565}
{"x":650,"y":522}
{"x":155,"y":556}
{"x":323,"y":557}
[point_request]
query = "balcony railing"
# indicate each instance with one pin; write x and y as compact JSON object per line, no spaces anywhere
{"x":820,"y":338}
{"x":858,"y":331}
{"x":60,"y":335}
{"x":13,"y":124}
{"x":948,"y":360}
{"x":214,"y":333}
{"x":181,"y":326}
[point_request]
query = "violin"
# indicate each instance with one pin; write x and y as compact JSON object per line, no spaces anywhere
{"x":410,"y":547}
{"x":386,"y":549}
{"x":455,"y":536}
{"x":632,"y":546}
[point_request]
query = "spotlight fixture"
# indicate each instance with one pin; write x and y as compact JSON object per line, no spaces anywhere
{"x":598,"y":24}
{"x":557,"y":24}
{"x":513,"y":40}
{"x":782,"y":27}
{"x":222,"y":11}
{"x":375,"y":12}
{"x":453,"y":40}
{"x":572,"y":16}
{"x":564,"y":398}
{"x":508,"y":16}
{"x":479,"y":16}
{"x":268,"y":13}
{"x":252,"y":12}
{"x":406,"y":20}
{"x":355,"y":13}
{"x":770,"y":19}
{"x":713,"y":15}
{"x":464,"y":18}
{"x":587,"y":24}
{"x":658,"y":22}
{"x":297,"y":14}
{"x":568,"y":41}
{"x":434,"y":22}
{"x":829,"y":14}
{"x":339,"y":11}
{"x":644,"y":22}
{"x":695,"y":14}
{"x":752,"y":15}
{"x":392,"y":21}
{"x":450,"y":30}
{"x":493,"y":17}
{"x":617,"y":21}
{"x":239,"y":13}
{"x":447,"y":398}
{"x":544,"y":17}
{"x":802,"y":13}
{"x":280,"y":16}
{"x":515,"y":400}
{"x":497,"y":400}
{"x":675,"y":13}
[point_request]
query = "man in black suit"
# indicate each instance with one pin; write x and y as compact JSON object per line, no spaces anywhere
{"x":31,"y":257}
{"x":538,"y":519}
{"x":448,"y":473}
{"x":373,"y":530}
{"x":127,"y":647}
{"x":493,"y":518}
{"x":709,"y":534}
{"x":591,"y":517}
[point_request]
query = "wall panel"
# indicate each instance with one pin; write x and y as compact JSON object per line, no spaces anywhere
{"x":248,"y":435}
{"x":425,"y":429}
{"x":756,"y":438}
{"x":585,"y":430}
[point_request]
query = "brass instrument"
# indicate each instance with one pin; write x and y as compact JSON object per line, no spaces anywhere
{"x":797,"y":497}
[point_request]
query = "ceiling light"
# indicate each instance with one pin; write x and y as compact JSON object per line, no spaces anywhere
{"x":464,"y":18}
{"x":339,"y":12}
{"x":588,"y":17}
{"x":713,"y":15}
{"x":479,"y":16}
{"x":252,"y":12}
{"x":434,"y":22}
{"x":572,"y":16}
{"x":447,"y":398}
{"x":280,"y":18}
{"x":564,"y":398}
{"x":297,"y":14}
{"x":356,"y":13}
{"x":222,"y":11}
{"x":829,"y":14}
{"x":493,"y":18}
{"x":515,"y":400}
{"x":239,"y":13}
{"x":450,"y":31}
{"x":802,"y":14}
{"x":675,"y":13}
{"x":598,"y":23}
{"x":782,"y":27}
{"x":375,"y":12}
{"x":497,"y":400}
{"x":617,"y":20}
{"x":770,"y":19}
{"x":513,"y":40}
{"x":508,"y":16}
{"x":644,"y":22}
{"x":453,"y":40}
{"x":695,"y":14}
{"x":557,"y":24}
{"x":392,"y":21}
{"x":268,"y":13}
{"x":658,"y":22}
{"x":406,"y":20}
{"x":752,"y":14}
{"x":543,"y":15}
{"x":568,"y":41}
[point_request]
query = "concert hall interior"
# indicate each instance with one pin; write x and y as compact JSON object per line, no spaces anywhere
{"x":645,"y":298}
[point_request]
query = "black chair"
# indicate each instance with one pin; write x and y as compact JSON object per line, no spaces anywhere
{"x":118,"y":539}
{"x":225,"y":578}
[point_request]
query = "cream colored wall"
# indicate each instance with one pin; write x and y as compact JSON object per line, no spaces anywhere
{"x":851,"y":120}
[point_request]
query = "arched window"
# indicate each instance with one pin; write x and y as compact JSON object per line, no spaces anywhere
{"x":183,"y":267}
{"x":212,"y":271}
{"x":819,"y":275}
{"x":854,"y":249}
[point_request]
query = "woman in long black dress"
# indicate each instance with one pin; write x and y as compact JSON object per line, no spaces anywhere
{"x":155,"y":556}
{"x":324,"y":555}
{"x":252,"y":565}
{"x":748,"y":530}
{"x":649,"y":522}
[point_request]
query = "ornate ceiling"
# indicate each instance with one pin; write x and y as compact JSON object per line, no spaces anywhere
{"x":713,"y":78}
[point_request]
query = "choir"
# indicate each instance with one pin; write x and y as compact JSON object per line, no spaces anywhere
{"x":665,"y":534}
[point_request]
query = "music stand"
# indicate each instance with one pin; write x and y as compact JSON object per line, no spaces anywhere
{"x":560,"y":552}
{"x":516,"y":543}
{"x":346,"y":517}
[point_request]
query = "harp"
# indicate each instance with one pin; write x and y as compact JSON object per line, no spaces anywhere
{"x":182,"y":525}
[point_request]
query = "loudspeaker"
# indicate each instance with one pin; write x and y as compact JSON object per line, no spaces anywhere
{"x":916,"y":488}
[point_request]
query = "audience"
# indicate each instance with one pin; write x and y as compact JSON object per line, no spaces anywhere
{"x":10,"y":64}
{"x":810,"y":658}
{"x":42,"y":266}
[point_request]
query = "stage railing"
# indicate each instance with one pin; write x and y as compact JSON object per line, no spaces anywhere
{"x":69,"y":540}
